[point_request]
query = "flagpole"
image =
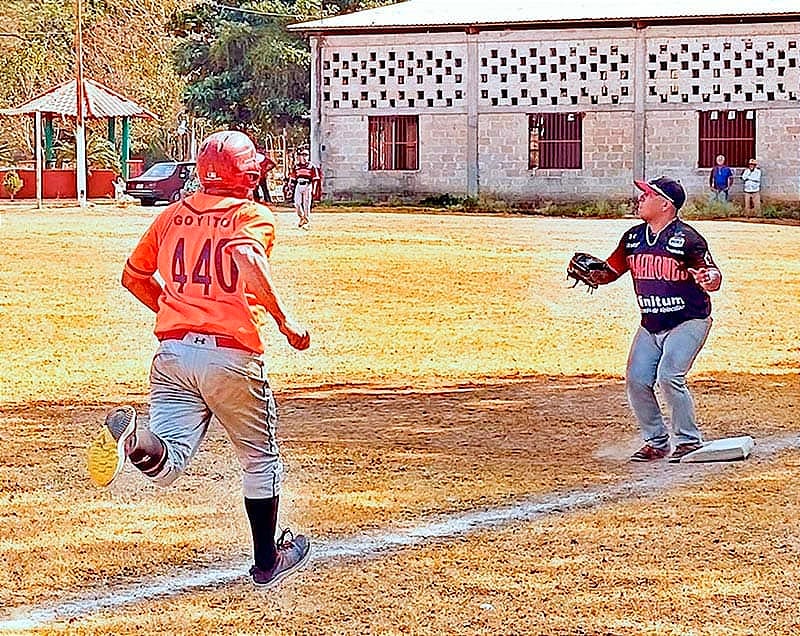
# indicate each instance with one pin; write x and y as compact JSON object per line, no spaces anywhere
{"x":80,"y":132}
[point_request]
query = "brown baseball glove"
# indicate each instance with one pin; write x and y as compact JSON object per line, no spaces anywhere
{"x":583,"y":267}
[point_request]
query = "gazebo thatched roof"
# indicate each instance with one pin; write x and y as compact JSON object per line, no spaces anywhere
{"x":99,"y":101}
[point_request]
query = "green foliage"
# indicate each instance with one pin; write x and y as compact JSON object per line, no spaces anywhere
{"x":244,"y":69}
{"x":126,"y":47}
{"x":706,"y":209}
{"x":446,"y":200}
{"x":701,"y":208}
{"x":780,"y":211}
{"x":12,"y":183}
{"x":100,"y":153}
{"x":595,"y":208}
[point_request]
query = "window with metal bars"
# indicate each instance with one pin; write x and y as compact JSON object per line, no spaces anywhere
{"x":556,"y":140}
{"x":394,"y":142}
{"x":731,"y":133}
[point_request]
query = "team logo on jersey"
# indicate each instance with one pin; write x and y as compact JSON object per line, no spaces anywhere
{"x":656,"y":267}
{"x":676,"y":241}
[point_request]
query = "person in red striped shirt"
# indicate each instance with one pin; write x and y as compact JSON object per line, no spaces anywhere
{"x":305,"y":182}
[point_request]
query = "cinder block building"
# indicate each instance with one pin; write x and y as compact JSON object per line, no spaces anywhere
{"x":569,"y":100}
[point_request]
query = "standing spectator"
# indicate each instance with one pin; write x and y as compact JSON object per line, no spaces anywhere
{"x":720,"y":180}
{"x":305,"y":181}
{"x":119,"y":188}
{"x":673,"y":273}
{"x":752,"y":187}
{"x":262,"y":188}
{"x":210,"y":361}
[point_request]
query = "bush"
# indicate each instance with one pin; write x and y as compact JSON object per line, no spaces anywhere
{"x":708,"y":209}
{"x":12,"y":183}
{"x":446,"y":200}
{"x":780,"y":211}
{"x":601,"y":209}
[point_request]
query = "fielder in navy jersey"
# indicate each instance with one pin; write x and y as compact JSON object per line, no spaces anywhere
{"x":673,"y":273}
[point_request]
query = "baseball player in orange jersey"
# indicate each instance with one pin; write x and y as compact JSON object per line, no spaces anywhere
{"x":211,"y":251}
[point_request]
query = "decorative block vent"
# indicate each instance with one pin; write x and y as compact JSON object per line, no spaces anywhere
{"x":723,"y":69}
{"x":384,"y":77}
{"x":559,"y":73}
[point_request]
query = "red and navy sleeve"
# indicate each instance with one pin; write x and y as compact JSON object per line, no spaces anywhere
{"x":618,"y":261}
{"x":697,"y":253}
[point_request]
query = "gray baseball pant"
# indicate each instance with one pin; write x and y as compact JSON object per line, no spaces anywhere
{"x":193,"y":380}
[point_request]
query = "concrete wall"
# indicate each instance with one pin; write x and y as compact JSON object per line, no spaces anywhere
{"x":607,"y":162}
{"x":639,"y":92}
{"x":778,"y":150}
{"x":442,"y":159}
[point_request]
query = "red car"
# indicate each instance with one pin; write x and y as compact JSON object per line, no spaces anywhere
{"x":160,"y":182}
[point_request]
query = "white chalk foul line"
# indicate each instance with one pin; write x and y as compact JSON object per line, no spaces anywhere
{"x":370,"y":545}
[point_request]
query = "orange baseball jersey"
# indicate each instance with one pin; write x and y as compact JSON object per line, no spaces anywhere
{"x":188,"y":245}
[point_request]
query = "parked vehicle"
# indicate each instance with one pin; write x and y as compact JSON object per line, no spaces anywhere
{"x":160,"y":182}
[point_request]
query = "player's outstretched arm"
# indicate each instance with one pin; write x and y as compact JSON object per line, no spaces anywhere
{"x":146,"y":290}
{"x":254,"y":267}
{"x":604,"y":276}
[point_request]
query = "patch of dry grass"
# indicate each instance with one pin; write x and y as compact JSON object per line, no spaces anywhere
{"x":389,"y":300}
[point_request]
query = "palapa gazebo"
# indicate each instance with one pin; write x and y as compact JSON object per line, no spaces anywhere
{"x":99,"y":102}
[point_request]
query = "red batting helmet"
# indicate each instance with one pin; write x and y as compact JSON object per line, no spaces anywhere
{"x":228,"y":164}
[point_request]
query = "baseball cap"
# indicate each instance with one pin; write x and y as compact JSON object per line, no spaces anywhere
{"x":752,"y":161}
{"x":665,"y":187}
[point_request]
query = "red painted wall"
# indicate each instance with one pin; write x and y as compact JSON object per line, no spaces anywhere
{"x":60,"y":184}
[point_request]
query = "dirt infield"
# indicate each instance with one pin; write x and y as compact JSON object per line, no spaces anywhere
{"x":450,"y":371}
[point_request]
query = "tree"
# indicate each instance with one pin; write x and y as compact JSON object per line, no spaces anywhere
{"x":243,"y":69}
{"x":126,"y":47}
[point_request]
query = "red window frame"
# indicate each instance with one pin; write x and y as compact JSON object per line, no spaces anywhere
{"x":555,"y":141}
{"x":731,"y":133}
{"x":394,"y":142}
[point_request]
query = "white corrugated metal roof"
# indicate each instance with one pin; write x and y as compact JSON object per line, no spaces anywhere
{"x":443,"y":13}
{"x":99,"y":102}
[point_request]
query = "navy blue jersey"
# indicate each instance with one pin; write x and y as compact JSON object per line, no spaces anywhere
{"x":667,"y":293}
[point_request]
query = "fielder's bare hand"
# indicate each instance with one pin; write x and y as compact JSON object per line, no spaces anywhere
{"x":296,"y":335}
{"x":708,"y":278}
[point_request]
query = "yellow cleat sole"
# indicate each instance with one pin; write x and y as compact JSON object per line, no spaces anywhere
{"x":104,"y":460}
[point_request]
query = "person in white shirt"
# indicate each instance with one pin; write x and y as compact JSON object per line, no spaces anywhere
{"x":752,"y":187}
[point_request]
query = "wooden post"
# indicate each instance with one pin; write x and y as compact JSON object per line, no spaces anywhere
{"x":126,"y":146}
